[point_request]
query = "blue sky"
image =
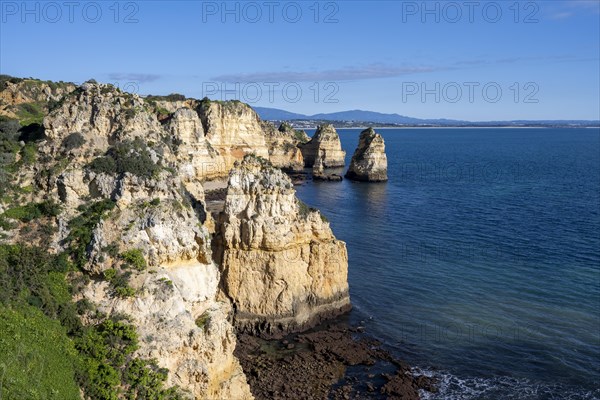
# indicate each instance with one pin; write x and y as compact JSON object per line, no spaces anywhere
{"x":474,"y":60}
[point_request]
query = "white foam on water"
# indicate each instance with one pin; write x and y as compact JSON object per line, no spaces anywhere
{"x":452,"y":387}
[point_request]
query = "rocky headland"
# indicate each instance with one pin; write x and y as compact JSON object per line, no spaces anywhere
{"x":115,"y":185}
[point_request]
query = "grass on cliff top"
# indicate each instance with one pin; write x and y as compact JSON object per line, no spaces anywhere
{"x":170,"y":97}
{"x":4,"y":79}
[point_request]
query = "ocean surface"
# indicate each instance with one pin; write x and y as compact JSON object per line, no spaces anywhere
{"x":479,"y":261}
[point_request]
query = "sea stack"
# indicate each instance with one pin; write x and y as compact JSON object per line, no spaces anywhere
{"x":326,"y":143}
{"x":369,"y":162}
{"x":282,"y":267}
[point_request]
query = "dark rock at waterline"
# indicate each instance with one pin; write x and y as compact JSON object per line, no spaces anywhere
{"x":315,"y":365}
{"x":327,"y":177}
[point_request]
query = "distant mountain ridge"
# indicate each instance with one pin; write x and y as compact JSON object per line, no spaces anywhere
{"x":362,"y":116}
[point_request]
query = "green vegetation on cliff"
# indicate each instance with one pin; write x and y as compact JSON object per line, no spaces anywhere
{"x":45,"y":351}
{"x":128,"y":156}
{"x":37,"y":359}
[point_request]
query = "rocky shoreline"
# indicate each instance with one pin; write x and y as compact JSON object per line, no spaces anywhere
{"x":333,"y":360}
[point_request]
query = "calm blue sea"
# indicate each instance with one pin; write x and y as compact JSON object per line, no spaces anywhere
{"x":479,"y":261}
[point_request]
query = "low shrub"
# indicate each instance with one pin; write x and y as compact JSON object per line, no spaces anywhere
{"x":134,"y":258}
{"x":33,"y":211}
{"x":74,"y":141}
{"x":129,"y":156}
{"x":202,"y":320}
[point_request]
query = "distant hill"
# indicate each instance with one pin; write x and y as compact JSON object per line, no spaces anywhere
{"x":362,"y":117}
{"x":275,"y":114}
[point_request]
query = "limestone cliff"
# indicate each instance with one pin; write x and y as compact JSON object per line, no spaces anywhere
{"x":234,"y":130}
{"x":369,"y":162}
{"x":106,"y":149}
{"x":326,"y":144}
{"x":127,"y":174}
{"x":196,"y":158}
{"x":283,"y":268}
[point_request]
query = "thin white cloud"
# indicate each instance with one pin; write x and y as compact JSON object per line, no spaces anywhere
{"x":585,"y":4}
{"x":133,"y":77}
{"x":561,"y":15}
{"x":570,"y":8}
{"x":372,"y":71}
{"x":379,"y":71}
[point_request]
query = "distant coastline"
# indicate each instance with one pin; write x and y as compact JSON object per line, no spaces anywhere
{"x":356,"y":119}
{"x":375,"y":126}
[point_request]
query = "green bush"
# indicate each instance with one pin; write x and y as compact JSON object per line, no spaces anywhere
{"x":170,"y":97}
{"x":9,"y":128}
{"x":135,"y":259}
{"x":29,"y":154}
{"x":125,"y":291}
{"x":30,"y":113}
{"x":33,"y":211}
{"x":129,"y":156}
{"x":203,"y":319}
{"x":104,"y":165}
{"x":110,"y":274}
{"x":25,"y":213}
{"x":74,"y":141}
{"x":7,"y":78}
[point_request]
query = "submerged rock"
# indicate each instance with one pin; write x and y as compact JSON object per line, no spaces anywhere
{"x":369,"y":162}
{"x":326,"y":144}
{"x":282,"y":267}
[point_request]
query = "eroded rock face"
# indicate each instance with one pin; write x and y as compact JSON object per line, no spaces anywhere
{"x":283,"y":147}
{"x":326,"y":144}
{"x":234,"y":130}
{"x":319,"y":174}
{"x":369,"y":162}
{"x":173,"y":301}
{"x":203,"y":139}
{"x":196,"y":158}
{"x":283,"y":268}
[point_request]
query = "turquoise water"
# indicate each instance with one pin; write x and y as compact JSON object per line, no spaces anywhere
{"x":479,"y":261}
